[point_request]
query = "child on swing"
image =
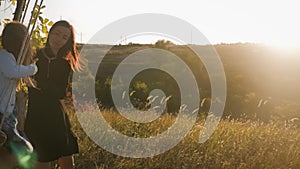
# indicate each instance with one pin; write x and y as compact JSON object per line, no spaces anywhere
{"x":14,"y":36}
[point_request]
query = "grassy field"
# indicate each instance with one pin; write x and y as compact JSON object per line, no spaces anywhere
{"x":262,"y":85}
{"x":234,"y":144}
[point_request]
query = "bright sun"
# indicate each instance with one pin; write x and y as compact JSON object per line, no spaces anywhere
{"x":291,"y":44}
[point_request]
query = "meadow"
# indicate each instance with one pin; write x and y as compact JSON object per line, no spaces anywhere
{"x":259,"y":128}
{"x":234,"y":144}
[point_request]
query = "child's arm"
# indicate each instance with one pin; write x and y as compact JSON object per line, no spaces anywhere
{"x":10,"y":69}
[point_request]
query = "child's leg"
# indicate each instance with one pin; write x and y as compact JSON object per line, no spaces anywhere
{"x":14,"y":142}
{"x":17,"y":145}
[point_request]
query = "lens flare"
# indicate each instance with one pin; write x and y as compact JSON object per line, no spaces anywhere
{"x":26,"y":160}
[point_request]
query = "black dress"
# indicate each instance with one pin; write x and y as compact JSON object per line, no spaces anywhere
{"x":46,"y":124}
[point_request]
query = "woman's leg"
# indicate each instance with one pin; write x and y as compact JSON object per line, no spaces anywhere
{"x":66,"y":162}
{"x":40,"y":165}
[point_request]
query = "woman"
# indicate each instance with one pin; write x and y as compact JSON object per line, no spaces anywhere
{"x":46,"y":125}
{"x":13,"y":36}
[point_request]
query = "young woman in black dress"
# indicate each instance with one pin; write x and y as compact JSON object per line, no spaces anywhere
{"x":46,"y":125}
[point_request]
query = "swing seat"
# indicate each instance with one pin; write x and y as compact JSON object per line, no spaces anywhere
{"x":10,"y":137}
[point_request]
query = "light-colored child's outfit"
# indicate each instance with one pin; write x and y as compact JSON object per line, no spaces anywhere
{"x":10,"y":73}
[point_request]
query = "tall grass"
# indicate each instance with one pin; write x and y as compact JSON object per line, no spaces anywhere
{"x":234,"y":144}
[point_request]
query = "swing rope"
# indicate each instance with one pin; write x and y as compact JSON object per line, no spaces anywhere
{"x":26,"y":41}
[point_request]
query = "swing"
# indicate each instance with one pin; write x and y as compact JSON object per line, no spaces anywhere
{"x":21,"y":57}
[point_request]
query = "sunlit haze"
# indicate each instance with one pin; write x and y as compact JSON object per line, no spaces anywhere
{"x":270,"y":22}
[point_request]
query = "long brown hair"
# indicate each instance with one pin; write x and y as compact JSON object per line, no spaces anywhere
{"x":13,"y":36}
{"x":68,"y":51}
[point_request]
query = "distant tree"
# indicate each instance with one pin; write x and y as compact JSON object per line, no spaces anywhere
{"x":163,"y":43}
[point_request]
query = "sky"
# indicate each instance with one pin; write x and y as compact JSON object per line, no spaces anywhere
{"x":273,"y":22}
